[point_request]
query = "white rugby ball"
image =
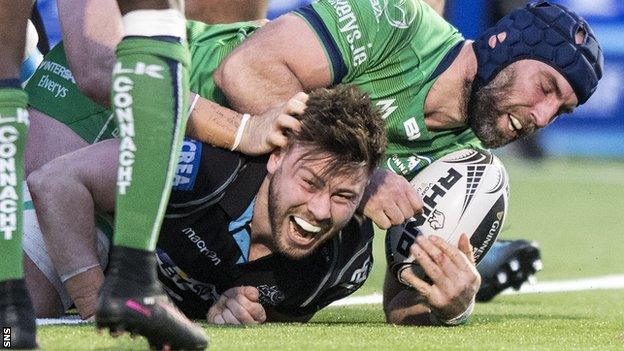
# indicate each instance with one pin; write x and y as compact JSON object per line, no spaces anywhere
{"x":466,"y":191}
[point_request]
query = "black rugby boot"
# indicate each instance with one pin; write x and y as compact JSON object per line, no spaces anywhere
{"x":133,"y":300}
{"x":508,"y":264}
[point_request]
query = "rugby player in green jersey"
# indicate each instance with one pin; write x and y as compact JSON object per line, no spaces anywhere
{"x":149,"y":98}
{"x":17,"y":317}
{"x":420,"y":72}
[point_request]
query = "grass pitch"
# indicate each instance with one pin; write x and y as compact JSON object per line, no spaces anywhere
{"x":573,"y":208}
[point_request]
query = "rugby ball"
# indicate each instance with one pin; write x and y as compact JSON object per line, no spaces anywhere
{"x":466,"y":191}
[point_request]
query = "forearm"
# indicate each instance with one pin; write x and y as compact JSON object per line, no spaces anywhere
{"x":219,"y":11}
{"x":91,"y":31}
{"x":405,"y":309}
{"x":212,"y":123}
{"x":405,"y":306}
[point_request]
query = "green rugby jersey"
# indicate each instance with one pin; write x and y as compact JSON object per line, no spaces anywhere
{"x":53,"y":90}
{"x":391,"y":49}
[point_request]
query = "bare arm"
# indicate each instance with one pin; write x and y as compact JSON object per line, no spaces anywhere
{"x":226,"y":11}
{"x":402,"y":305}
{"x":91,"y":31}
{"x":280,"y":59}
{"x":451,"y":296}
{"x":66,"y":191}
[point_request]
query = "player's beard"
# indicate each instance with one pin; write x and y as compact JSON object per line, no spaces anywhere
{"x":279,"y":215}
{"x":486,"y":106}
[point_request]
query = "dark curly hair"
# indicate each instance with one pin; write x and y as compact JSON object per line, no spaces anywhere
{"x":342,"y":124}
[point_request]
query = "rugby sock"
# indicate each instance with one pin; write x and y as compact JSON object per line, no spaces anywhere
{"x":13,"y":130}
{"x":149,"y":96}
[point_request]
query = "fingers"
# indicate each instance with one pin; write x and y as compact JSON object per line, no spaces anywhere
{"x":380,"y":219}
{"x":394,"y":213}
{"x":217,"y":319}
{"x":251,"y":293}
{"x":240,"y":313}
{"x":390,"y":199}
{"x":431,"y":259}
{"x":297,"y":104}
{"x":229,"y":317}
{"x":243,"y":303}
{"x":456,"y":256}
{"x":466,"y":248}
{"x":423,"y":288}
{"x":414,"y":200}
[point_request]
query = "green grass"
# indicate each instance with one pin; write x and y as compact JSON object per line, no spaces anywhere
{"x":573,"y":208}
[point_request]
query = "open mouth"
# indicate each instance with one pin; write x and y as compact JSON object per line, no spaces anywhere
{"x":514,"y":123}
{"x":302,"y":232}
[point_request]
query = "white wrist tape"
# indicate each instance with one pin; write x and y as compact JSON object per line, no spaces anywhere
{"x":151,"y":23}
{"x":455,"y":321}
{"x":240,"y":131}
{"x":65,"y":277}
{"x":192,"y":105}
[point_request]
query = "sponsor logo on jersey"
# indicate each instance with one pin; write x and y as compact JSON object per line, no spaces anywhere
{"x":399,"y":14}
{"x":387,"y":107}
{"x":407,"y":165}
{"x":52,"y":86}
{"x":201,"y":245}
{"x":360,"y":274}
{"x":58,"y":70}
{"x":182,"y":281}
{"x":8,"y":173}
{"x":377,"y":8}
{"x":270,"y":295}
{"x":412,"y":130}
{"x":436,"y":220}
{"x":348,"y":25}
{"x":438,"y":190}
{"x":188,"y":165}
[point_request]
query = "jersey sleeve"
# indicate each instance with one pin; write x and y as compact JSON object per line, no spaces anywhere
{"x":358,"y":35}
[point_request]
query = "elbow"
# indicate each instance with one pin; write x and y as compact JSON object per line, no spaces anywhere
{"x":45,"y":183}
{"x":224,"y":74}
{"x":230,"y":74}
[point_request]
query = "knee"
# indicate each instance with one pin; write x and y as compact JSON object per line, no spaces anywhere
{"x":49,"y":179}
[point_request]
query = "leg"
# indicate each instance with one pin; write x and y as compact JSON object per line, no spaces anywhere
{"x":16,"y":308}
{"x":47,"y":140}
{"x":46,"y":300}
{"x":65,"y":192}
{"x":149,"y":91}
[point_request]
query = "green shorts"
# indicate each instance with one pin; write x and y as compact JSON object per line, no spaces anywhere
{"x":52,"y":89}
